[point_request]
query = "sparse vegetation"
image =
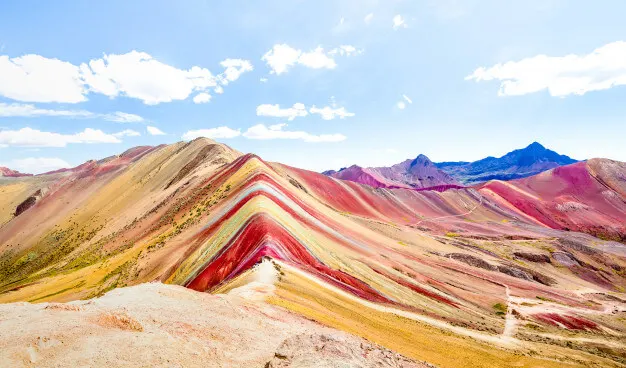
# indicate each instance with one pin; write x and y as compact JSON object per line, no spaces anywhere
{"x":500,"y":309}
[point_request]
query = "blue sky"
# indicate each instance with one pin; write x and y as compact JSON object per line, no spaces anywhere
{"x":314,"y":84}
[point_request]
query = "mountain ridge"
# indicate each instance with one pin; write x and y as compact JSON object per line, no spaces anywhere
{"x":519,"y":163}
{"x":8,"y":173}
{"x":421,"y":267}
{"x":417,"y":173}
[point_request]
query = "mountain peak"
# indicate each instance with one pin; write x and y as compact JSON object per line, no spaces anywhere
{"x":535,"y":146}
{"x":519,"y":163}
{"x":422,"y":160}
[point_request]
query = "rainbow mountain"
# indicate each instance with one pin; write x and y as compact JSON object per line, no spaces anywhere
{"x":528,"y":272}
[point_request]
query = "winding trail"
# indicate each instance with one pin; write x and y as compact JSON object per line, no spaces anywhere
{"x":480,"y":202}
{"x":510,"y":322}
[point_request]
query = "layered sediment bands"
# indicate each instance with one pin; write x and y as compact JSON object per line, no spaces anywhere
{"x":474,"y":267}
{"x":585,"y":196}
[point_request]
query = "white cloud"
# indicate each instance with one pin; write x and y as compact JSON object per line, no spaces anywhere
{"x":282,"y":57}
{"x":263,"y":80}
{"x":407,"y":99}
{"x":234,"y":68}
{"x":201,"y":98}
{"x":28,"y":137}
{"x":36,"y":165}
{"x":401,"y":105}
{"x":127,"y":133}
{"x":34,"y":78}
{"x":298,"y":109}
{"x":330,"y":113}
{"x":602,"y":69}
{"x":122,"y":117}
{"x":277,"y":126}
{"x":139,"y":75}
{"x":213,"y":133}
{"x":317,"y":59}
{"x":261,"y":131}
{"x":28,"y":110}
{"x":345,"y":50}
{"x":368,"y":18}
{"x":154,"y":130}
{"x":399,"y":22}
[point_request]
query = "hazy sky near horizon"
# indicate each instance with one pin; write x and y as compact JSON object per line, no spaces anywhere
{"x":314,"y":84}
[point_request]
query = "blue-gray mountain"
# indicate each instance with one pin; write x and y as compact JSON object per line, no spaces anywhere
{"x":517,"y":164}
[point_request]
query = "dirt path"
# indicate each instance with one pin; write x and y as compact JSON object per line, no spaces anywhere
{"x":510,"y":323}
{"x":480,"y":202}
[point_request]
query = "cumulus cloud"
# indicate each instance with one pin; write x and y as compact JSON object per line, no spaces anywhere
{"x":36,"y":165}
{"x":127,"y":133}
{"x":28,"y":137}
{"x":282,"y":57}
{"x":572,"y":74}
{"x":233,"y":69}
{"x":213,"y":133}
{"x":330,"y":113}
{"x":263,"y":80}
{"x":201,"y":98}
{"x":39,"y":79}
{"x":260,"y":131}
{"x":154,"y":130}
{"x":298,"y":109}
{"x":34,"y":78}
{"x":398,"y":22}
{"x":368,"y":18}
{"x":317,"y":59}
{"x":28,"y":110}
{"x":138,"y":75}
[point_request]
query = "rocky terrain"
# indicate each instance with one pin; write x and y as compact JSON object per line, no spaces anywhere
{"x":156,"y":325}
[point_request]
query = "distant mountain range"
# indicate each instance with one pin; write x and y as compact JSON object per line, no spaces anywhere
{"x":6,"y":172}
{"x":517,"y":164}
{"x":415,"y":173}
{"x":421,"y":172}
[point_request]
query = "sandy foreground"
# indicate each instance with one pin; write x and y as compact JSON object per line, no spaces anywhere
{"x":162,"y":325}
